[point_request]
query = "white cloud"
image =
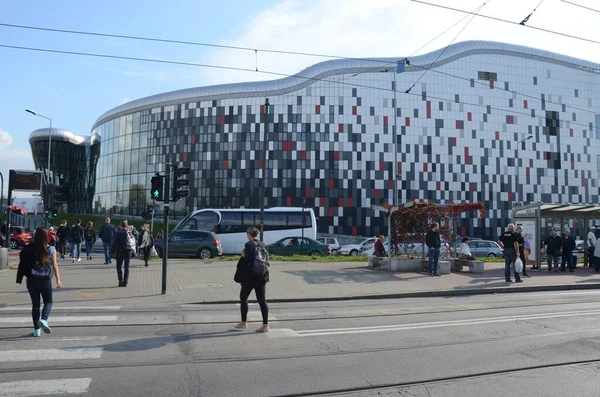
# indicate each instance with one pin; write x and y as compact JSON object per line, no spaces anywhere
{"x":5,"y":139}
{"x":380,"y":28}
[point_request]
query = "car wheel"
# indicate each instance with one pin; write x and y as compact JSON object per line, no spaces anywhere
{"x":353,"y":252}
{"x":205,"y":253}
{"x":315,"y":253}
{"x":14,"y":244}
{"x":491,"y":255}
{"x":335,"y":252}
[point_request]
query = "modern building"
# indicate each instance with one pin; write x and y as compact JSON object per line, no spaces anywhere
{"x":72,"y":173}
{"x":478,"y":121}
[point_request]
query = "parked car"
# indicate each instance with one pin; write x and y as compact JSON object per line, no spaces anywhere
{"x":481,"y":248}
{"x":20,"y":236}
{"x":355,"y":249}
{"x":191,"y":243}
{"x":579,"y":250}
{"x":297,"y":246}
{"x":331,"y":242}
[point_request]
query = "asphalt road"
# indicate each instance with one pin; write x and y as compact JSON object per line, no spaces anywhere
{"x":504,"y":345}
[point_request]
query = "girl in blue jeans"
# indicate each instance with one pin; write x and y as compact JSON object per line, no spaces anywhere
{"x":38,"y":263}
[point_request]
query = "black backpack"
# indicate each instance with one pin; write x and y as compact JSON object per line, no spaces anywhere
{"x":76,"y":234}
{"x":89,"y":234}
{"x":260,"y":265}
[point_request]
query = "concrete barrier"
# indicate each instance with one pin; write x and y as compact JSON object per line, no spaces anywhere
{"x":3,"y":258}
{"x":474,"y":266}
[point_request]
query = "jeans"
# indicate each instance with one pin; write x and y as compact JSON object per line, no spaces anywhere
{"x":123,"y":257}
{"x":37,"y":288}
{"x":89,"y":246}
{"x":592,"y":260}
{"x":106,"y":251}
{"x":550,"y":258}
{"x":510,"y":257}
{"x":76,"y":250}
{"x":434,"y":256}
{"x":568,"y":260}
{"x":259,"y":288}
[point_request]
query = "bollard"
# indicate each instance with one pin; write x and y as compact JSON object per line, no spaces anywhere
{"x":3,"y":258}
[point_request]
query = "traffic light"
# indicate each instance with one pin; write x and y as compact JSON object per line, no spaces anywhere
{"x":182,"y":183}
{"x":157,"y":187}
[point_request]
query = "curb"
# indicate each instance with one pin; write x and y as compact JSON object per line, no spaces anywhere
{"x":423,"y":294}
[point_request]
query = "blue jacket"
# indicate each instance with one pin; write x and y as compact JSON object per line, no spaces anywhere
{"x":107,"y":233}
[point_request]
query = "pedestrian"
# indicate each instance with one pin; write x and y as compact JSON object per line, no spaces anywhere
{"x":521,"y":242}
{"x":254,"y":276}
{"x":146,"y":243}
{"x":553,"y":245}
{"x":509,"y":241}
{"x":568,"y":246}
{"x":52,"y":237}
{"x":90,"y":239}
{"x":160,"y":234}
{"x":63,"y":238}
{"x":107,"y":235}
{"x":38,"y":264}
{"x":591,"y":245}
{"x":434,"y":242}
{"x":379,"y":249}
{"x":76,"y":235}
{"x":464,"y":251}
{"x":124,"y":245}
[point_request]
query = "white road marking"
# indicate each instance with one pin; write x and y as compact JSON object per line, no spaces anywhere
{"x":24,"y":388}
{"x":439,"y":324}
{"x":84,"y":353}
{"x":60,"y":308}
{"x":74,"y":338}
{"x":59,"y":319}
{"x":281,"y":333}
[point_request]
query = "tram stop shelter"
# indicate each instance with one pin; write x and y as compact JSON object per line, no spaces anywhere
{"x":530,"y":217}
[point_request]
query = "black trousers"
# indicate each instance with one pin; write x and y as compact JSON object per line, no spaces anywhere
{"x":522,"y":256}
{"x":123,"y":257}
{"x":37,"y":288}
{"x":260,"y":290}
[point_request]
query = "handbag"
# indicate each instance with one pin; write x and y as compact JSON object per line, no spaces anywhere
{"x":153,"y":252}
{"x":518,"y":265}
{"x":240,"y":272}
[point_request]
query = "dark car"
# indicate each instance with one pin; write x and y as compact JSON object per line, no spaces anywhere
{"x":298,"y":246}
{"x":191,"y":243}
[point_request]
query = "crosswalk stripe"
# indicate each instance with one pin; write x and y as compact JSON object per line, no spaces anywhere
{"x":24,"y":388}
{"x":59,"y":319}
{"x":83,"y":353}
{"x":60,"y":308}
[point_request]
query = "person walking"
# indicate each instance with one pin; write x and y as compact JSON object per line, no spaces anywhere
{"x":434,"y":242}
{"x":521,"y":242}
{"x":591,"y":245}
{"x":63,"y":238}
{"x":568,"y":246}
{"x":253,"y":267}
{"x":90,"y":239}
{"x":107,"y":234}
{"x":553,"y":245}
{"x":38,"y":264}
{"x":123,"y":245}
{"x":52,"y":237}
{"x":76,"y":235}
{"x":146,"y":243}
{"x":509,"y":241}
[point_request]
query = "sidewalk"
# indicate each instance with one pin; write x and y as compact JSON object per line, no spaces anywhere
{"x":193,"y":281}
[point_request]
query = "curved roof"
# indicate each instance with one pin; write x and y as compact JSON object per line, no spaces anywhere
{"x":63,"y":135}
{"x":341,"y":66}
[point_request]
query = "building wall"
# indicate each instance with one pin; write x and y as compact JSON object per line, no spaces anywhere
{"x":330,"y":142}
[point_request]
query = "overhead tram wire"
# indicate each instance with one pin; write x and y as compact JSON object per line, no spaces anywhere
{"x":444,"y":50}
{"x":510,"y":111}
{"x":580,"y":6}
{"x":526,"y":19}
{"x":386,"y":64}
{"x":507,"y":21}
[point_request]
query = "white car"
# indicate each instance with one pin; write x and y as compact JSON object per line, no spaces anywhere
{"x":333,"y":243}
{"x":355,"y":249}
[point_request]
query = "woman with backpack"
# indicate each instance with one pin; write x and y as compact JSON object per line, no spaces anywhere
{"x":253,"y":274}
{"x":146,"y":243}
{"x":38,"y":264}
{"x":124,"y":246}
{"x":89,"y":236}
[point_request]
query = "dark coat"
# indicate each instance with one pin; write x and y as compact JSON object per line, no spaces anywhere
{"x":107,"y":233}
{"x":244,"y":266}
{"x":553,"y":245}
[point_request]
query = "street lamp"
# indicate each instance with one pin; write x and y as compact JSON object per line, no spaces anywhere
{"x":49,"y":154}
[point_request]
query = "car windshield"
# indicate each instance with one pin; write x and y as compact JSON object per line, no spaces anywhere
{"x":21,"y":230}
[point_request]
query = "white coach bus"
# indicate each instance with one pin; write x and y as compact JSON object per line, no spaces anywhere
{"x":230,"y":225}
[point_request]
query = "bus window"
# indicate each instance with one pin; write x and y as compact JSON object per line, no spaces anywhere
{"x":275,"y":221}
{"x":295,"y":220}
{"x":231,"y":222}
{"x":205,"y":220}
{"x":249,"y":220}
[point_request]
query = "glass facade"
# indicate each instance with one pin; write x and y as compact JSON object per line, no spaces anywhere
{"x":72,"y":168}
{"x":337,"y":140}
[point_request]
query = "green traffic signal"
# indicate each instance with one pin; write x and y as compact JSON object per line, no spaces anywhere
{"x":157,"y":187}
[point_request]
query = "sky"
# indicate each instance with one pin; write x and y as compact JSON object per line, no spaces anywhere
{"x":74,"y":90}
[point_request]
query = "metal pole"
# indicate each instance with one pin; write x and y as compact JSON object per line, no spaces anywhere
{"x":152,"y":217}
{"x":7,"y":236}
{"x":264,"y":171}
{"x":166,"y":194}
{"x":395,"y":134}
{"x":303,"y":203}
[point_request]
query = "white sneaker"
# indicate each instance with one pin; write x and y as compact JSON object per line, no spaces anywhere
{"x":78,"y":259}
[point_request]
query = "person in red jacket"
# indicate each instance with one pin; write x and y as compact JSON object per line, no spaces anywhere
{"x":379,"y":248}
{"x":51,"y":237}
